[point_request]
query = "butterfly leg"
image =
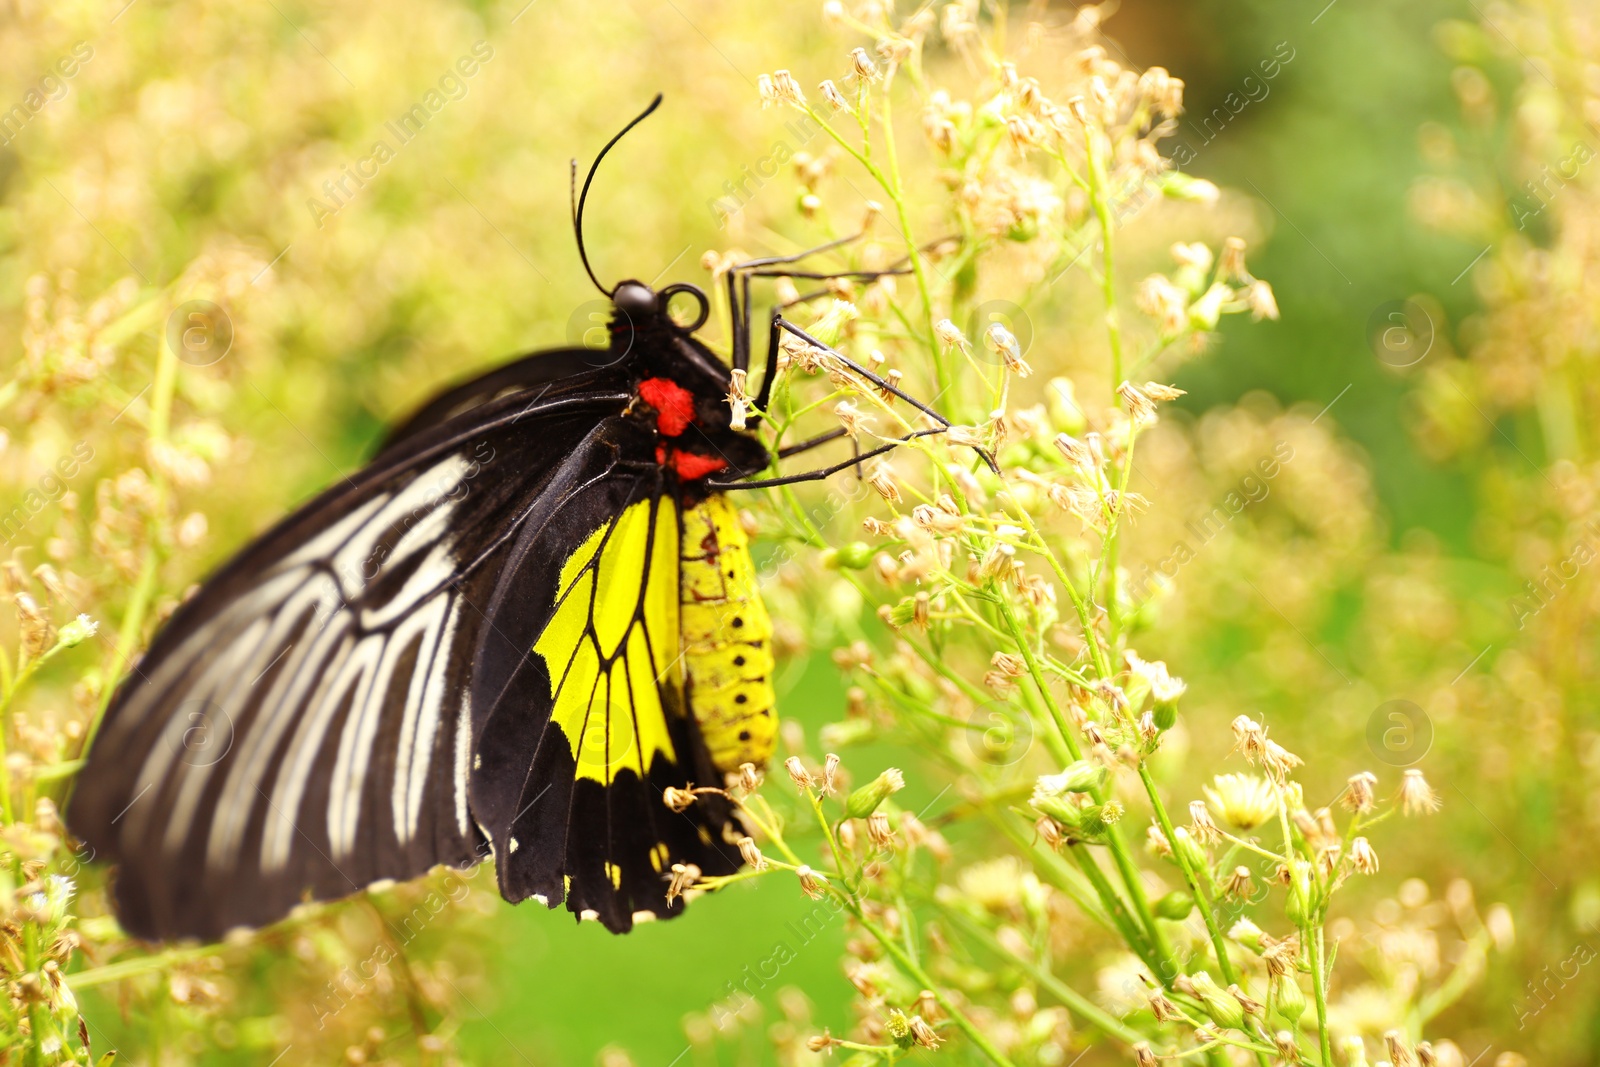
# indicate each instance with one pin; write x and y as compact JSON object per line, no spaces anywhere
{"x":825,"y":472}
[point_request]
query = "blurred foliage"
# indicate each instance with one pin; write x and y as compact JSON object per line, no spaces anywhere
{"x":225,"y":153}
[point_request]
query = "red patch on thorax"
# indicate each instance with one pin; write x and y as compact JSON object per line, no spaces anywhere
{"x":673,"y":403}
{"x":689,"y":465}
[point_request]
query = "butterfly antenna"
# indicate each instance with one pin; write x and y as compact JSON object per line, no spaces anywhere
{"x":577,"y":210}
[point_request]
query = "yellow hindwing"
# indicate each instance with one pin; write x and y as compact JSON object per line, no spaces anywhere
{"x":727,"y":638}
{"x":612,"y":641}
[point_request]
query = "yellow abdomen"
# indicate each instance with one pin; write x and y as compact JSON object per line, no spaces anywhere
{"x":727,"y":638}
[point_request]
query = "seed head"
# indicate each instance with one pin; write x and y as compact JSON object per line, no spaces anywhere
{"x":811,"y":883}
{"x":1249,"y":737}
{"x":1249,"y":1004}
{"x":1360,"y":793}
{"x":749,"y":777}
{"x":1416,"y":796}
{"x":1278,"y":760}
{"x":1143,"y":1056}
{"x":1163,"y":393}
{"x":1202,"y":826}
{"x":1239,"y":883}
{"x":1263,"y":305}
{"x":678,"y":800}
{"x":1362,"y":856}
{"x":923,"y":1034}
{"x":1141,"y":409}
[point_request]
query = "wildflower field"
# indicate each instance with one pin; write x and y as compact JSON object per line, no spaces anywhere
{"x":1208,"y":674}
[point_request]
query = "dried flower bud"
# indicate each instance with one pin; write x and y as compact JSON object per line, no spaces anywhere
{"x":878,"y":830}
{"x":767,"y":90}
{"x":797,"y":773}
{"x":830,"y":768}
{"x":1143,"y":1056}
{"x":787,"y":90}
{"x":749,"y":777}
{"x":1399,"y":1052}
{"x":1288,"y":1051}
{"x":950,"y":335}
{"x":881,"y":477}
{"x":38,"y":635}
{"x":752,"y":854}
{"x":862,"y":66}
{"x":1362,"y":856}
{"x":1141,"y":409}
{"x":1163,"y":393}
{"x":1231,"y":268}
{"x":830,"y":93}
{"x":1077,"y":453}
{"x":1250,"y":1006}
{"x":684,"y":875}
{"x":677,"y":799}
{"x":1003,"y":343}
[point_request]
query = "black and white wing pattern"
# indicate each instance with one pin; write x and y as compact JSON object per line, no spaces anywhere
{"x":314,"y":719}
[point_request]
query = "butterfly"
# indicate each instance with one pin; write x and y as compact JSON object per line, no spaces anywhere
{"x":528,"y":623}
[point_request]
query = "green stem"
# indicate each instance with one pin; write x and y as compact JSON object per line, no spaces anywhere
{"x":144,"y":589}
{"x":912,"y":969}
{"x":1319,"y":989}
{"x":1076,"y":1002}
{"x":1131,"y":880}
{"x":1202,"y":895}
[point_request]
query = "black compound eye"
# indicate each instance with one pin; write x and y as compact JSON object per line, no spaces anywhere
{"x":635,"y":299}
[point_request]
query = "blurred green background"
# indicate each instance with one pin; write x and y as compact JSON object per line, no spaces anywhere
{"x":205,"y":126}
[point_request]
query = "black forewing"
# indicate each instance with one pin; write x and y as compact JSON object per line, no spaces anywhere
{"x":300,"y":728}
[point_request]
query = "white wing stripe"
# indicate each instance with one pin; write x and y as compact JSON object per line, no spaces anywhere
{"x":427,"y":729}
{"x":352,"y":562}
{"x":242,"y":792}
